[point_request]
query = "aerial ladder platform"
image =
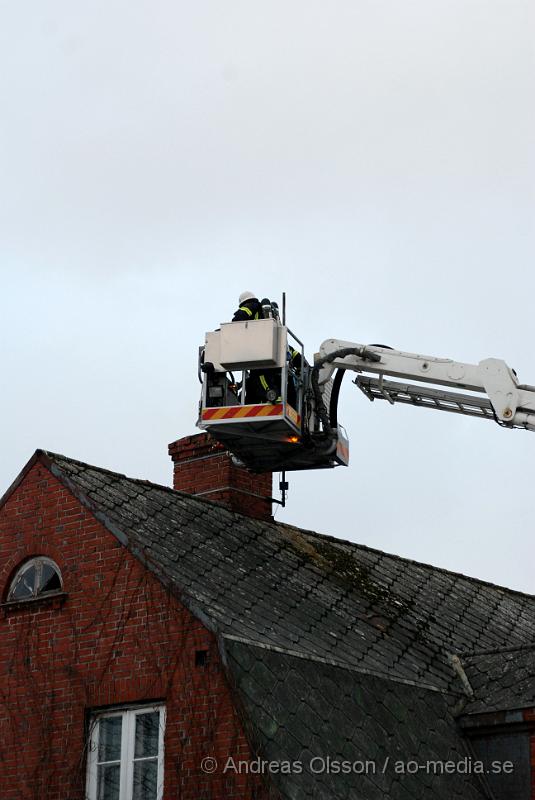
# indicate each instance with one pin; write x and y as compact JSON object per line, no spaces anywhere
{"x":296,"y":427}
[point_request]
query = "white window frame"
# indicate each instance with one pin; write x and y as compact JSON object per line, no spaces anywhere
{"x":128,"y":732}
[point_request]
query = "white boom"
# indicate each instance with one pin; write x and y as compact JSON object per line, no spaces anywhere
{"x":506,"y":400}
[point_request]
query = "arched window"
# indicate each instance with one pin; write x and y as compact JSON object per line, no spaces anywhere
{"x":36,"y":577}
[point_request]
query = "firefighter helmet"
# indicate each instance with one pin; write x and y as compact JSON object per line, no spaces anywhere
{"x":246,"y":296}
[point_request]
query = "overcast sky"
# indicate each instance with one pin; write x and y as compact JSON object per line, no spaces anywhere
{"x":375,"y":160}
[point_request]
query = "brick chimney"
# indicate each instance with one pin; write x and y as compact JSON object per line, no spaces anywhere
{"x":203,"y":467}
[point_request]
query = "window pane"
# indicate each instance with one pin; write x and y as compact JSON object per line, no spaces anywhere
{"x":109,"y":779}
{"x":145,"y":780}
{"x":109,"y":739}
{"x":147,"y":726}
{"x":49,"y":579}
{"x":25,"y":585}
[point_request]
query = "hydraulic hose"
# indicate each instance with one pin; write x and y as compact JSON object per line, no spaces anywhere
{"x":320,"y":405}
{"x":342,"y":352}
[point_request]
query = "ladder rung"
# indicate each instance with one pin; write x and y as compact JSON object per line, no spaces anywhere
{"x":426,"y":397}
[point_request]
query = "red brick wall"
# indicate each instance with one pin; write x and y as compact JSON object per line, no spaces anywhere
{"x":203,"y":467}
{"x":118,"y":637}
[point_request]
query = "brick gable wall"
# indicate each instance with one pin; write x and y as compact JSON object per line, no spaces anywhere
{"x":117,"y":637}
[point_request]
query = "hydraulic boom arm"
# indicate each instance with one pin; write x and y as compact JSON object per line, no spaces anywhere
{"x":497,"y":393}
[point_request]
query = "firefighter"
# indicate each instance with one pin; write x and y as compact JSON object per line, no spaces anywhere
{"x":261,"y":386}
{"x":249,"y":308}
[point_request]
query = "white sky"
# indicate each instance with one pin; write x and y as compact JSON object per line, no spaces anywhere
{"x":375,"y":160}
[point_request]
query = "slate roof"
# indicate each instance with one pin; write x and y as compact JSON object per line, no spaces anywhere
{"x":305,"y":710}
{"x":502,"y":680}
{"x":330,"y":645}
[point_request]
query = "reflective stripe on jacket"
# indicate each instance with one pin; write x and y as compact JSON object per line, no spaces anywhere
{"x":249,"y":310}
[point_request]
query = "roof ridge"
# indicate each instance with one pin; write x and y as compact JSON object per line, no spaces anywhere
{"x":53,"y":456}
{"x":405,"y":559}
{"x":140,"y":481}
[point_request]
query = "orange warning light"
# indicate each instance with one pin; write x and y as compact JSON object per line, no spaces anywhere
{"x":293,"y":439}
